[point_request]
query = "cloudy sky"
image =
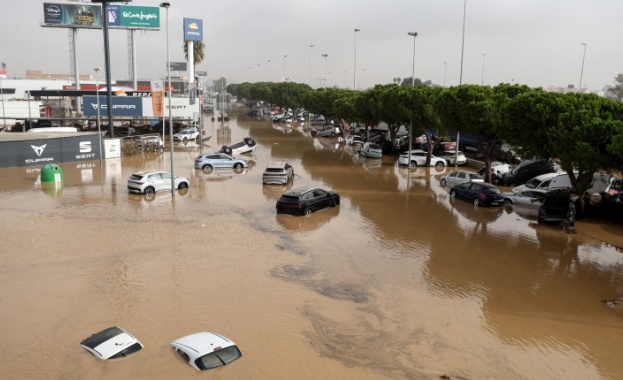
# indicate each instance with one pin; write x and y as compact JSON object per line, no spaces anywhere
{"x":533,"y":42}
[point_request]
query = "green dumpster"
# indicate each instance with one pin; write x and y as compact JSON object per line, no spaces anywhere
{"x":51,"y":173}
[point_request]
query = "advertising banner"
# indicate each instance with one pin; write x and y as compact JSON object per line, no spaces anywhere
{"x":72,"y":15}
{"x":90,"y":16}
{"x":193,"y":29}
{"x":131,"y":106}
{"x":83,"y":147}
{"x":133,"y":17}
{"x":157,"y":97}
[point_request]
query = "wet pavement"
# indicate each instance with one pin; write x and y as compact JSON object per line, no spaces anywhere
{"x":398,"y":282}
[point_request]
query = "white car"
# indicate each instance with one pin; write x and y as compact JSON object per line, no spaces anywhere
{"x":498,"y":169}
{"x":354,"y":140}
{"x":532,"y":198}
{"x":418,"y":158}
{"x":449,"y":156}
{"x":458,"y":177}
{"x":186,"y":135}
{"x":111,"y":343}
{"x":151,"y":182}
{"x":206,"y":350}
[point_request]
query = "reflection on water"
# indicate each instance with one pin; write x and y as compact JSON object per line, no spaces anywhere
{"x":398,"y":282}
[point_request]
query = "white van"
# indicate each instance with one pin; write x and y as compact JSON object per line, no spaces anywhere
{"x":549,"y":181}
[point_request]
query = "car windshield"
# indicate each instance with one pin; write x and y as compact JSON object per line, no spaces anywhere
{"x":492,"y":190}
{"x":533,"y":183}
{"x":474,"y":176}
{"x":218,"y":358}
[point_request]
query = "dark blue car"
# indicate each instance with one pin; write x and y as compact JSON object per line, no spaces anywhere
{"x":480,"y":193}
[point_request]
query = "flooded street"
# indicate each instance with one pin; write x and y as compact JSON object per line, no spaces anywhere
{"x":398,"y":282}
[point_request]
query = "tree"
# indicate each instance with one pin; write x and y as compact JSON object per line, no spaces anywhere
{"x":219,"y":84}
{"x":198,"y":51}
{"x":424,"y":115}
{"x":617,"y":88}
{"x":390,"y":103}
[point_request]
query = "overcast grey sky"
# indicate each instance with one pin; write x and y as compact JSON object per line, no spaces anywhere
{"x":533,"y":42}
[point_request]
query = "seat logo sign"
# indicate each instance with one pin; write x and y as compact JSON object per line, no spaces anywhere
{"x":39,"y":149}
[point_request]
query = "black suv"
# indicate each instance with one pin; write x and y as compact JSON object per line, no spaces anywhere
{"x":557,"y":207}
{"x":305,"y":200}
{"x":527,"y":170}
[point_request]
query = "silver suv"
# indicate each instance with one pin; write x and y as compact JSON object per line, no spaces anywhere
{"x":277,"y":173}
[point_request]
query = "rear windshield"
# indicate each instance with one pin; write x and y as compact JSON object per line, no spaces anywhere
{"x":136,"y":177}
{"x":132,"y":349}
{"x":492,"y":190}
{"x":274,"y":170}
{"x":218,"y":358}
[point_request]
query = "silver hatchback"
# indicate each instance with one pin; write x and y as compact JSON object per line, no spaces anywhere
{"x":277,"y":173}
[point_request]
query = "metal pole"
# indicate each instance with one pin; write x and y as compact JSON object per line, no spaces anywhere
{"x":463,"y":41}
{"x":414,"y":34}
{"x":325,"y":69}
{"x":445,"y":72}
{"x":310,"y":65}
{"x":166,"y":6}
{"x":482,"y":76}
{"x":582,"y":71}
{"x":355,"y":69}
{"x":108,"y":75}
{"x":3,"y":111}
{"x":284,"y":67}
{"x":268,"y":70}
{"x":97,"y":95}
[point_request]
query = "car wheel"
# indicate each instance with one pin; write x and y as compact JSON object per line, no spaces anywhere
{"x":443,"y":183}
{"x":452,"y":194}
{"x":185,"y":141}
{"x":238,"y":166}
{"x":476,"y":202}
{"x":413,"y":164}
{"x":332,"y":134}
{"x":207,"y":168}
{"x":439,"y":164}
{"x":150,"y":191}
{"x":182,"y":185}
{"x":508,"y":202}
{"x":307,"y":211}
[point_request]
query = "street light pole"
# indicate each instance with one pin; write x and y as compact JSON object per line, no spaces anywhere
{"x":462,"y":45}
{"x":97,"y":95}
{"x":582,"y":71}
{"x":482,"y":76}
{"x":166,"y":6}
{"x":355,"y":70}
{"x":414,"y":35}
{"x":284,"y":67}
{"x":325,"y":69}
{"x":268,"y":70}
{"x":445,"y":72}
{"x":310,"y":65}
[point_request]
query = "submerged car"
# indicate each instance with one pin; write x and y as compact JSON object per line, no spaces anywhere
{"x":498,"y":169}
{"x":206,"y":350}
{"x":526,"y":170}
{"x":557,"y":207}
{"x":526,"y":197}
{"x":354,"y":140}
{"x":452,"y":156}
{"x":277,"y":173}
{"x":149,"y":142}
{"x":371,"y":150}
{"x":480,"y":193}
{"x":247,"y":145}
{"x":212,"y":161}
{"x":305,"y":200}
{"x":186,"y":135}
{"x":152,"y":182}
{"x":460,"y":176}
{"x":418,"y":158}
{"x":111,"y":343}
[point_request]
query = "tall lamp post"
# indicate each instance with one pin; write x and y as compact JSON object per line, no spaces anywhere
{"x":97,"y":96}
{"x":325,"y":69}
{"x":166,"y":6}
{"x":414,"y":35}
{"x":482,"y":76}
{"x":284,"y":67}
{"x":268,"y":70}
{"x":355,"y":70}
{"x":582,"y":71}
{"x":310,"y":65}
{"x":445,"y":72}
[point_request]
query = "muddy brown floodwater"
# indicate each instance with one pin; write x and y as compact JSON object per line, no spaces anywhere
{"x":398,"y":282}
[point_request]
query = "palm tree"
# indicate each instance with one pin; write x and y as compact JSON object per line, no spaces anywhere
{"x":198,"y":51}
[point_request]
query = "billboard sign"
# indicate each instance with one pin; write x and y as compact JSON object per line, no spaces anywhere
{"x":193,"y":29}
{"x":90,"y":16}
{"x":131,"y":17}
{"x":131,"y":106}
{"x":178,"y":66}
{"x":72,"y":15}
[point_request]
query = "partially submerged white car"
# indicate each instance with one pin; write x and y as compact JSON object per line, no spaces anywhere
{"x":111,"y":343}
{"x":206,"y":350}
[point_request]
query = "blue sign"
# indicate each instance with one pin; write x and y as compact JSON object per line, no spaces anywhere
{"x":113,"y":15}
{"x":193,"y":29}
{"x":121,"y":106}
